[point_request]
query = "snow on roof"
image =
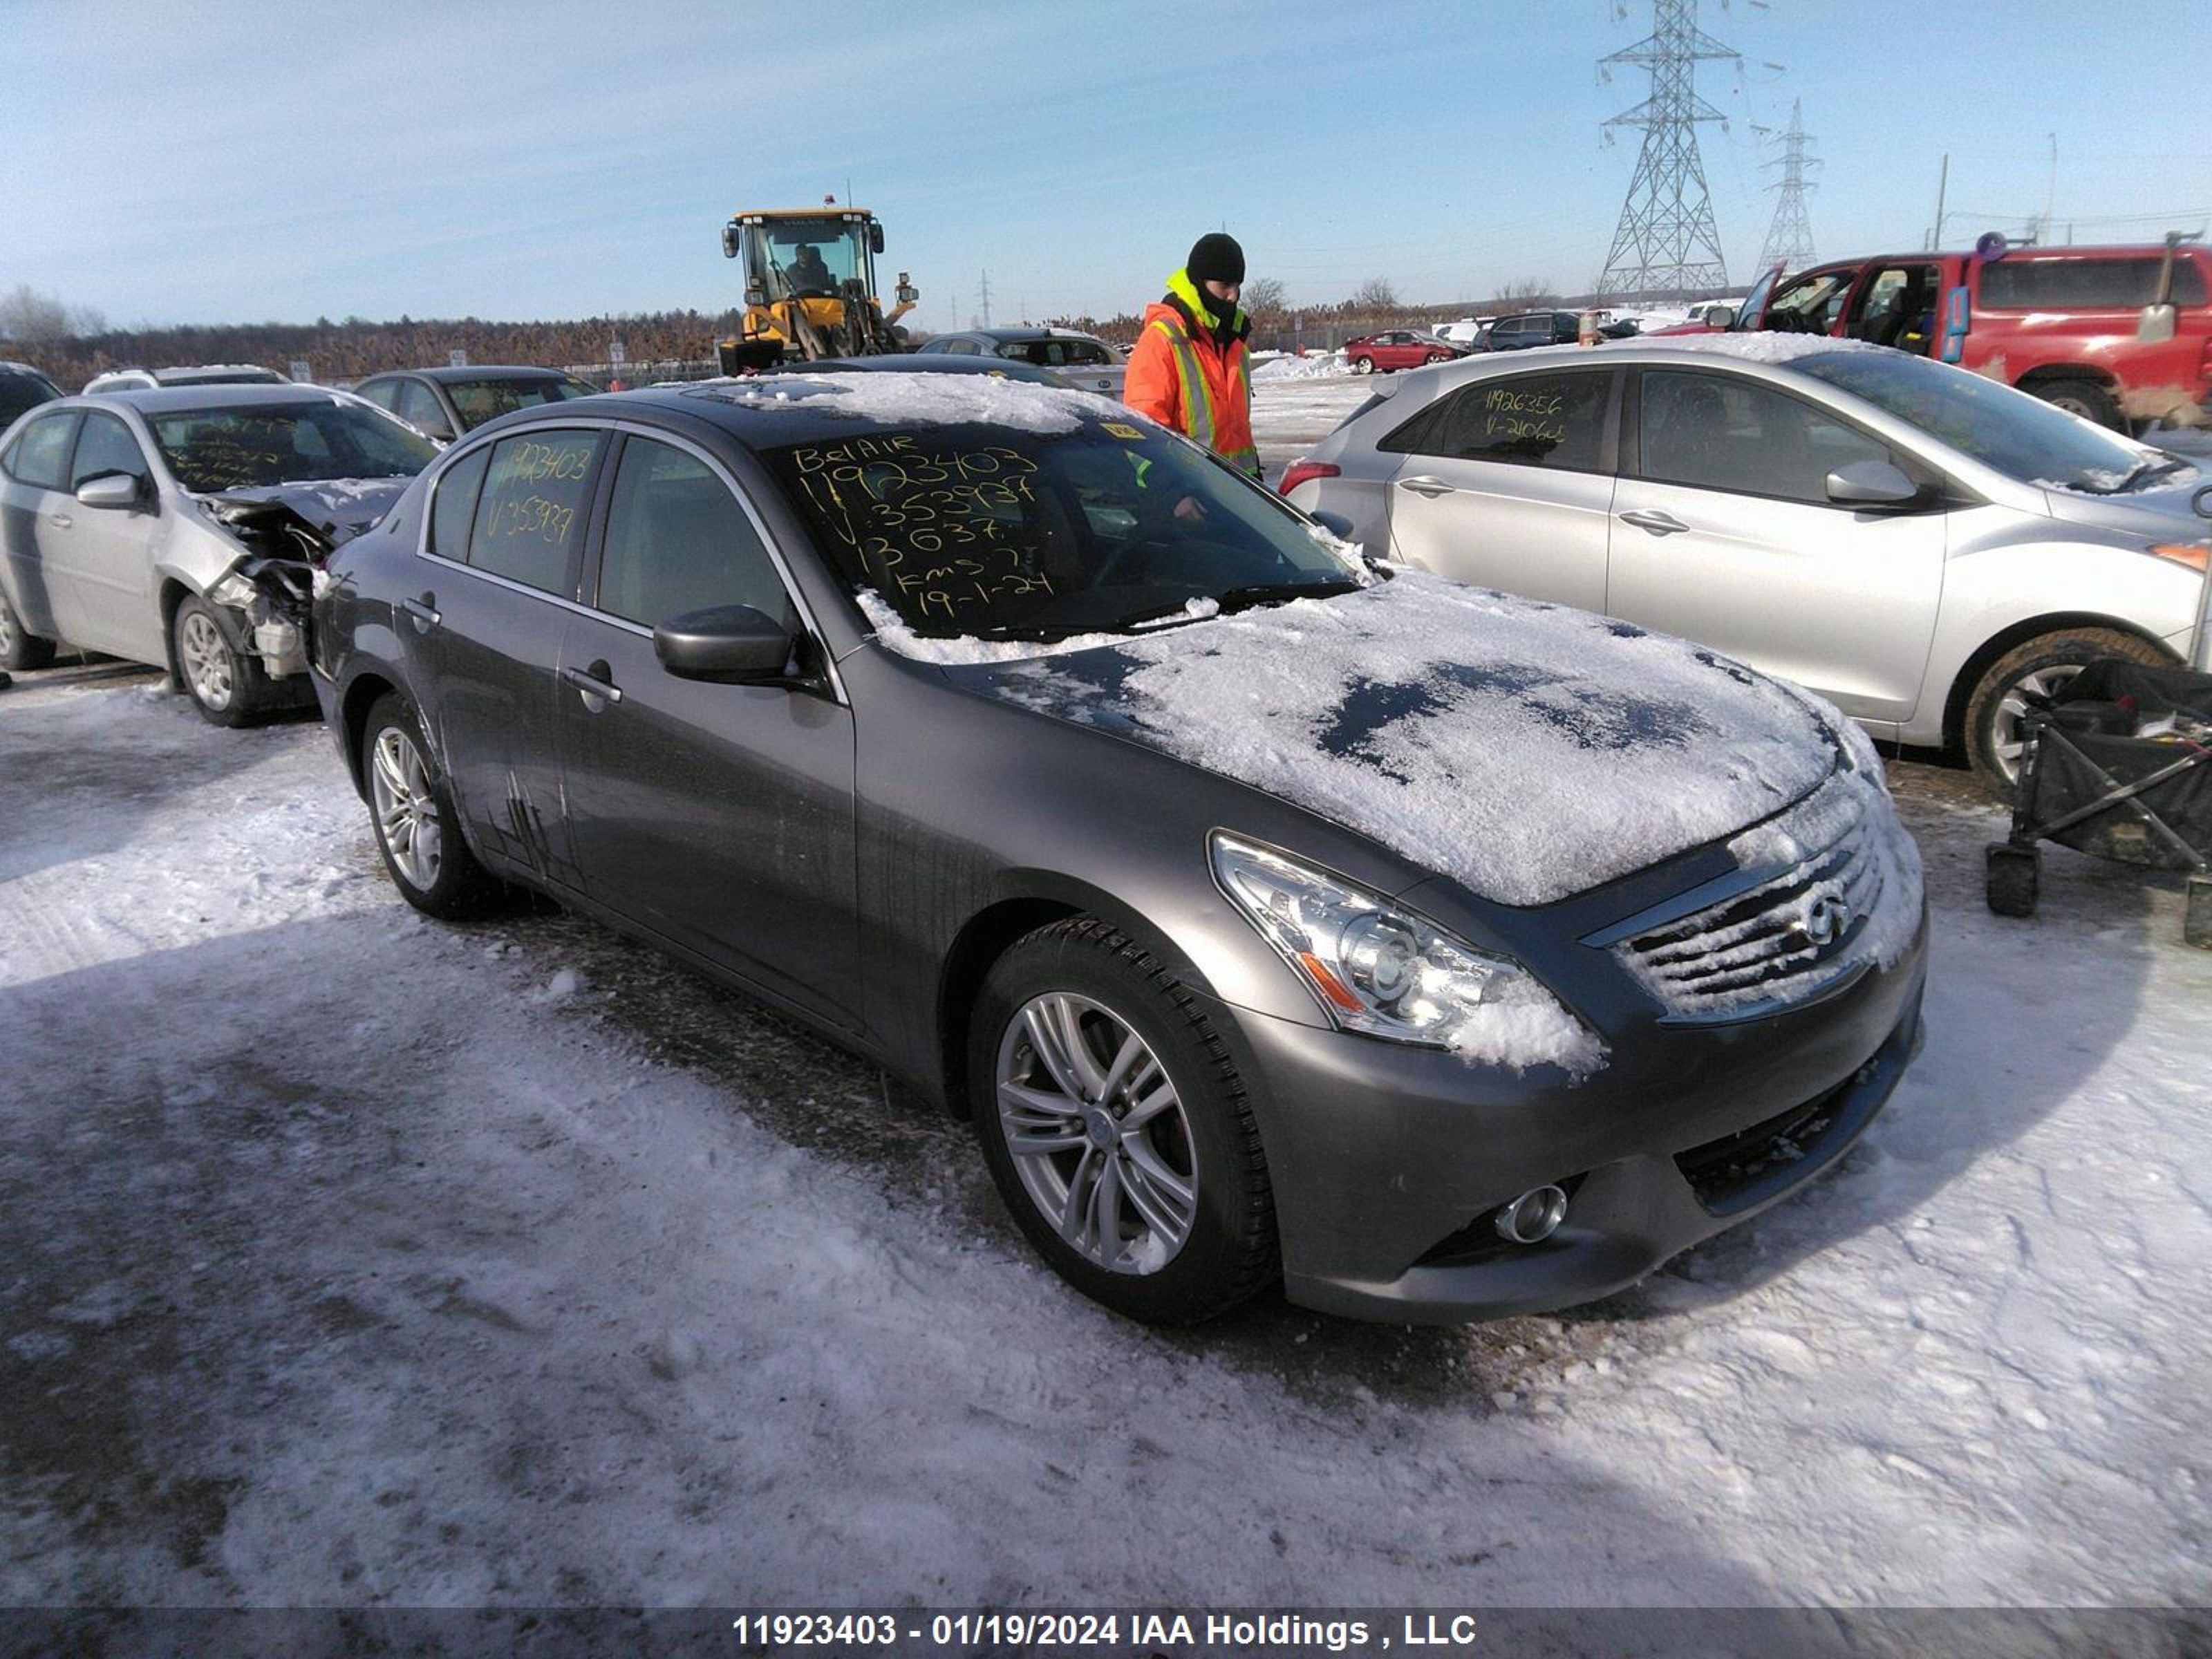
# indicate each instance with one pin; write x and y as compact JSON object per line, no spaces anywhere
{"x":1527,"y":751}
{"x":1762,"y":347}
{"x":924,"y":399}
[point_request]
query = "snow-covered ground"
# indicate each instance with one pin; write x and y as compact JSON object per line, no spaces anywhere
{"x":350,"y":1259}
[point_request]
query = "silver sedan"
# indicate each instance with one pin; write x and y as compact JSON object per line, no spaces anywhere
{"x":183,"y":527}
{"x":1924,"y":547}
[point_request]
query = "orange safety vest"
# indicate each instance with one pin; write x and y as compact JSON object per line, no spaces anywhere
{"x":1194,"y":384}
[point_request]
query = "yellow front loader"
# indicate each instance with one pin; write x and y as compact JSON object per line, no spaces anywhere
{"x":809,"y":276}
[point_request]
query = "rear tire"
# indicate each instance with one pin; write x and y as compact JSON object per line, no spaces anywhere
{"x":412,"y":814}
{"x":1140,"y":1180}
{"x":2086,"y":398}
{"x":227,"y":686}
{"x":1994,"y":734}
{"x":19,"y":649}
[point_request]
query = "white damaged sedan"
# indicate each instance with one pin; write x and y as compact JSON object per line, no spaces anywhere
{"x":182,"y":528}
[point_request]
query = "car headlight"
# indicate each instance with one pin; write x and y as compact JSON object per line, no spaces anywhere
{"x":1388,"y":971}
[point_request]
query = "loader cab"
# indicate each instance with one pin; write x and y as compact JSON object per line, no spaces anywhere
{"x":787,"y":255}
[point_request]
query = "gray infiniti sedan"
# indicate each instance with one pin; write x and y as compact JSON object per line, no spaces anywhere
{"x":1927,"y":547}
{"x":1277,"y":921}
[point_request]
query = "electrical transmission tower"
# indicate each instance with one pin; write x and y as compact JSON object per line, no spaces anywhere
{"x":1790,"y":238}
{"x":1667,"y":246}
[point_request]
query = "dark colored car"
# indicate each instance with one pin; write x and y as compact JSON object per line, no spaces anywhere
{"x":1396,"y":348}
{"x":1430,"y":953}
{"x":22,"y":387}
{"x":1536,"y":328}
{"x":442,"y":404}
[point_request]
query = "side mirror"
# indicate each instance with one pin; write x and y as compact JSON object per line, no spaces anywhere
{"x":1335,"y":523}
{"x":113,"y":490}
{"x":1872,"y":483}
{"x":726,"y":644}
{"x":730,"y":241}
{"x":876,"y":238}
{"x":1721,"y":317}
{"x":2155,"y":326}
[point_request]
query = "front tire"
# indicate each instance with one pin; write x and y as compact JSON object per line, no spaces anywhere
{"x":1995,"y":713}
{"x":1116,"y":1128}
{"x":412,"y":812}
{"x":228,"y":687}
{"x":1363,"y":365}
{"x":19,"y":649}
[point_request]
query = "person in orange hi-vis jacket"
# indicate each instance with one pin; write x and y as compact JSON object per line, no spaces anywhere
{"x":1190,"y":368}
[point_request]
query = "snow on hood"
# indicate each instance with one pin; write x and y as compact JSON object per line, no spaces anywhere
{"x":342,"y":507}
{"x":1526,"y":750}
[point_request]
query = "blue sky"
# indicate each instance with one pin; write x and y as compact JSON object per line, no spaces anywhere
{"x":204,"y":162}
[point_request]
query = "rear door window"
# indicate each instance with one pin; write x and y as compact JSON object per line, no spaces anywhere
{"x":678,"y":541}
{"x":40,"y":457}
{"x":529,"y":523}
{"x":1555,"y":420}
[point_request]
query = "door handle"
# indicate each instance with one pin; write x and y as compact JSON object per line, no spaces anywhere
{"x":425,"y":617}
{"x":1659,"y":524}
{"x":597,"y":690}
{"x":1425,"y":486}
{"x":60,"y":521}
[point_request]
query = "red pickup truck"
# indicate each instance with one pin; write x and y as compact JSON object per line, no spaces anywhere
{"x":2120,"y":335}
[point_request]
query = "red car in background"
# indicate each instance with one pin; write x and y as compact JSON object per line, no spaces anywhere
{"x":1401,"y":348}
{"x":2117,"y":335}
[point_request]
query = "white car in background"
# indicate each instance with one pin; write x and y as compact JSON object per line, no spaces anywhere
{"x":1924,"y":547}
{"x":148,"y":379}
{"x":183,"y":527}
{"x":1082,"y":361}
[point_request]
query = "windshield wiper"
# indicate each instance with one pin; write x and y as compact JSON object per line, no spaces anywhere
{"x":1243,"y":599}
{"x":2151,"y":466}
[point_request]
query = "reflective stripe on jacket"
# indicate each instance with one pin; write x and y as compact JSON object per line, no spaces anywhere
{"x":1190,"y":381}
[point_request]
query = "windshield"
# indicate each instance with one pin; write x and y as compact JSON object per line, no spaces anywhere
{"x":478,"y":401}
{"x":985,"y":530}
{"x":211,"y":450}
{"x":805,"y":256}
{"x":2022,"y":437}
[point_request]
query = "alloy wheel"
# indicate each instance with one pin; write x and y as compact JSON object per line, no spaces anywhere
{"x":205,"y":659}
{"x":1097,"y":1133}
{"x":2008,"y":724}
{"x":7,"y":629}
{"x":406,"y":810}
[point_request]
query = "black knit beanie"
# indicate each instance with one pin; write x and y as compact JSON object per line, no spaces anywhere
{"x":1215,"y":258}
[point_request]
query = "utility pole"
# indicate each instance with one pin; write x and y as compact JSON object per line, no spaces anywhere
{"x":1667,"y":244}
{"x":1790,"y":238}
{"x":1942,"y":189}
{"x":987,"y":298}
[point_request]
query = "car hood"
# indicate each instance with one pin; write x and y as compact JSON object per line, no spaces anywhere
{"x":1526,"y":750}
{"x":2162,"y":512}
{"x":340,"y":508}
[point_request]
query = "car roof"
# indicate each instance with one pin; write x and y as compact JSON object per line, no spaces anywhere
{"x":157,"y":400}
{"x":803,"y":405}
{"x":446,"y":374}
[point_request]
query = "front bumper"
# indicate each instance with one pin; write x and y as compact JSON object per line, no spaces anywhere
{"x":1388,"y":1163}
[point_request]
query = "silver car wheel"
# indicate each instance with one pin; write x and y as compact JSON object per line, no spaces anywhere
{"x":2007,"y":729}
{"x":406,"y":811}
{"x":205,"y":659}
{"x":7,"y":629}
{"x":1097,"y":1133}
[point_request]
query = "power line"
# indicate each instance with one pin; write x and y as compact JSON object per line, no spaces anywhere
{"x":1666,"y":244}
{"x":1790,"y":238}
